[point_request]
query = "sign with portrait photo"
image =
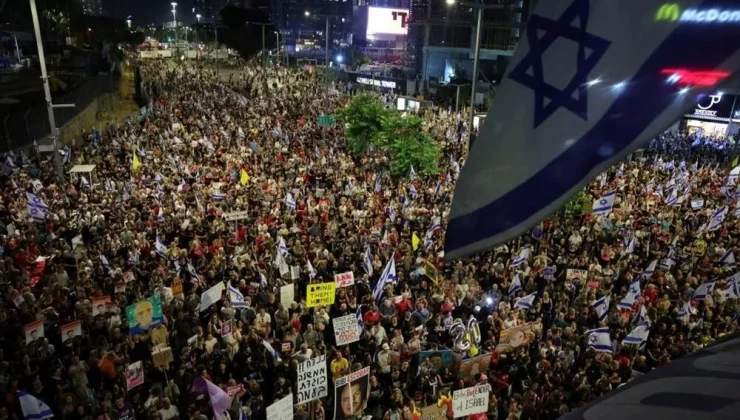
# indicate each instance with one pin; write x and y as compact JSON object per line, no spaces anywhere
{"x":34,"y":331}
{"x":438,"y":359}
{"x":134,"y":375}
{"x":473,"y":366}
{"x":71,"y":330}
{"x":351,"y":393}
{"x":144,"y":314}
{"x":514,"y":337}
{"x":98,"y":305}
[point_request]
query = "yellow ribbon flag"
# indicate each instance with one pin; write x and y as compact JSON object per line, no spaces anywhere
{"x":135,"y":164}
{"x":244,"y":177}
{"x":415,"y":241}
{"x":431,"y":271}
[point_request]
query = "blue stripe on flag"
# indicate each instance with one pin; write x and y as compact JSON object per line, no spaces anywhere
{"x":646,"y":97}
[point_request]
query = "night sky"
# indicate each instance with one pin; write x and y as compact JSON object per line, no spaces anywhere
{"x":146,"y":12}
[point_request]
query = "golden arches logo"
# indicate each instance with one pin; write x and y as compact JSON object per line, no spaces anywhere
{"x":668,"y":11}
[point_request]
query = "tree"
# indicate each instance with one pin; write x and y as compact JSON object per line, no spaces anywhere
{"x":577,"y":203}
{"x":363,"y":119}
{"x":408,"y":145}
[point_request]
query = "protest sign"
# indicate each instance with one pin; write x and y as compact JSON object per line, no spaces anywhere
{"x":437,"y":358}
{"x":295,"y":272}
{"x":144,"y":314}
{"x":431,"y":271}
{"x":34,"y":331}
{"x":471,"y":367}
{"x":344,"y":279}
{"x":134,"y":375}
{"x":282,"y":409}
{"x":321,"y":294}
{"x":351,"y":393}
{"x":287,"y":295}
{"x":312,"y":381}
{"x":469,"y":401}
{"x":211,"y":296}
{"x":574,"y":276}
{"x":226,"y":328}
{"x":234,"y":389}
{"x":162,"y":357}
{"x":236,"y":215}
{"x":71,"y":330}
{"x":514,"y":337}
{"x":98,"y":305}
{"x":346,"y":330}
{"x":549,"y":273}
{"x":434,"y":412}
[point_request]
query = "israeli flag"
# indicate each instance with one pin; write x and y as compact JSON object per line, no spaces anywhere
{"x":84,"y":182}
{"x":672,"y":198}
{"x":109,"y":185}
{"x":218,"y":195}
{"x":515,"y":286}
{"x":236,"y":298}
{"x":601,"y":306}
{"x":729,"y":259}
{"x":36,"y":208}
{"x":526,"y":302}
{"x":126,"y":192}
{"x":310,"y":269}
{"x":717,"y":218}
{"x":105,"y":262}
{"x":522,"y":257}
{"x":389,"y":275}
{"x":429,"y":237}
{"x":438,"y":189}
{"x":67,"y":155}
{"x":736,"y":212}
{"x":633,"y":294}
{"x":705,"y":289}
{"x":600,"y":105}
{"x":378,"y":187}
{"x":282,"y":247}
{"x":193,"y":273}
{"x":33,"y":408}
{"x":412,"y":173}
{"x":367,"y":262}
{"x":268,"y":346}
{"x":604,"y":205}
{"x":638,"y":335}
{"x":599,"y":340}
{"x":650,"y":269}
{"x":159,"y":248}
{"x":263,"y":280}
{"x":697,"y":203}
{"x":392,"y":214}
{"x":412,"y":192}
{"x":360,"y":322}
{"x":158,"y":178}
{"x":290,"y":201}
{"x":631,"y":246}
{"x":732,"y":291}
{"x":686,"y":310}
{"x":641,"y":316}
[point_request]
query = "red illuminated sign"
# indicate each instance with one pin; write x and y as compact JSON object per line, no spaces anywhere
{"x":695,"y":77}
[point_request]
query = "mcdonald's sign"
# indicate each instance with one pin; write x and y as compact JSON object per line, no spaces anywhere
{"x":668,"y":11}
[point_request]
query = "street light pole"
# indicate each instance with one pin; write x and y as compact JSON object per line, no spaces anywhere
{"x":197,"y":41}
{"x":174,"y":20}
{"x":476,"y":56}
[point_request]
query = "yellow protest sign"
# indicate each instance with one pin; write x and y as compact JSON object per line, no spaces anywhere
{"x":321,"y":294}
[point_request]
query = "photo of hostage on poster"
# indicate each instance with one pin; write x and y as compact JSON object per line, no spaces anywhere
{"x":351,"y":393}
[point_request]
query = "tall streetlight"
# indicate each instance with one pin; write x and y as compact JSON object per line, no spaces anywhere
{"x":196,"y":29}
{"x":480,"y":6}
{"x":174,"y":20}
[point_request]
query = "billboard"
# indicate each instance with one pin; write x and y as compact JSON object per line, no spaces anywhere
{"x":717,"y":107}
{"x":386,"y":21}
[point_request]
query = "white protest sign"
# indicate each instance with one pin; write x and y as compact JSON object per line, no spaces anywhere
{"x":312,"y":380}
{"x":236,"y":215}
{"x":287,"y":295}
{"x":345,"y":329}
{"x":295,"y":272}
{"x":282,"y":409}
{"x":211,"y":296}
{"x":344,"y":279}
{"x":468,"y":401}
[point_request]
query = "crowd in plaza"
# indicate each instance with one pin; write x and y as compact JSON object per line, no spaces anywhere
{"x":199,"y":271}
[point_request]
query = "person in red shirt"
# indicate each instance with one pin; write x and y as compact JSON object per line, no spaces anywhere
{"x":372,"y":316}
{"x":403,"y":305}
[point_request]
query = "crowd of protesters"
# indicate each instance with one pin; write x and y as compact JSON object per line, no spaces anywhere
{"x":148,"y":221}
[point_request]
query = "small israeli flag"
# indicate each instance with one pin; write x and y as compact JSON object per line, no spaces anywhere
{"x":604,"y":205}
{"x":705,"y":289}
{"x":158,"y":178}
{"x":67,"y":155}
{"x":388,"y":275}
{"x":717,"y":218}
{"x":732,"y":291}
{"x":126,"y":192}
{"x":729,"y":259}
{"x":599,"y":340}
{"x":105,"y":262}
{"x":392,"y":214}
{"x":36,"y":208}
{"x":236,"y":298}
{"x":638,"y":335}
{"x":686,"y":310}
{"x":672,"y":198}
{"x":159,"y":248}
{"x":360,"y":322}
{"x":632,"y":296}
{"x":367,"y":262}
{"x":526,"y":302}
{"x":310,"y":269}
{"x":429,"y":237}
{"x":412,"y":173}
{"x":33,"y":408}
{"x":697,"y":203}
{"x":282,"y":247}
{"x":515,"y":286}
{"x":268,"y":346}
{"x":412,"y":192}
{"x":263,"y":280}
{"x":378,"y":187}
{"x":523,"y":256}
{"x":601,"y":306}
{"x":84,"y":182}
{"x":290,"y":201}
{"x":641,"y":316}
{"x":631,"y":246}
{"x":193,"y":273}
{"x":650,"y":269}
{"x":218,"y":195}
{"x":438,"y":189}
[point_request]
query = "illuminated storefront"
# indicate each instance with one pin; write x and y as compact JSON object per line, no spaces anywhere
{"x":711,"y":116}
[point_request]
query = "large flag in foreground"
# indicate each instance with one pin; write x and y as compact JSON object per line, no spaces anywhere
{"x":580,"y":94}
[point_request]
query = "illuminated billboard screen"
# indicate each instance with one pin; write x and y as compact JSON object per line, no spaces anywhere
{"x":385,"y":21}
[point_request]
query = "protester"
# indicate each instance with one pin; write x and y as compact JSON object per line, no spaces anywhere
{"x":594,"y":296}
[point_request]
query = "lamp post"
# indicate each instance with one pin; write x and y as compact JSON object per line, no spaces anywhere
{"x":174,"y":20}
{"x":196,"y":29}
{"x":480,"y":6}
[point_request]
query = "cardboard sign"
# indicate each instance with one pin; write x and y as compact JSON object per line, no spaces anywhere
{"x":71,"y":330}
{"x":236,"y":215}
{"x":346,"y":329}
{"x":477,"y":365}
{"x":514,"y":337}
{"x":312,"y":380}
{"x":572,"y":275}
{"x":226,"y":328}
{"x":34,"y":331}
{"x":134,"y":375}
{"x":162,"y":357}
{"x":287,"y":295}
{"x":349,"y":401}
{"x":98,"y":305}
{"x":234,"y":389}
{"x":295,"y":272}
{"x":469,"y":401}
{"x":549,"y":273}
{"x":282,"y":409}
{"x":321,"y":294}
{"x":434,"y":412}
{"x":344,"y":279}
{"x":144,"y":314}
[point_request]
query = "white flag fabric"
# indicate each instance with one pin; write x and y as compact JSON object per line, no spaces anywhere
{"x":268,"y":346}
{"x":705,"y":289}
{"x":638,"y":335}
{"x":282,"y":247}
{"x":633,"y":294}
{"x":601,"y":306}
{"x":515,"y":286}
{"x":559,"y":119}
{"x":650,"y":269}
{"x":522,"y":257}
{"x":526,"y":302}
{"x":729,"y":259}
{"x":389,"y":275}
{"x":732,"y":290}
{"x":211,"y":296}
{"x":717,"y":218}
{"x":37,"y":209}
{"x":599,"y":340}
{"x":290,"y":201}
{"x":604,"y":204}
{"x":160,"y":248}
{"x":33,"y":408}
{"x":310,"y":269}
{"x":236,"y":298}
{"x":367,"y":262}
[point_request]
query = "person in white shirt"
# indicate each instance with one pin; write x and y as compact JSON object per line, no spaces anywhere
{"x":168,"y":411}
{"x":263,"y":317}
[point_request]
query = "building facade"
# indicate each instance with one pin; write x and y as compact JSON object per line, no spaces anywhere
{"x":299,"y":31}
{"x":92,"y":7}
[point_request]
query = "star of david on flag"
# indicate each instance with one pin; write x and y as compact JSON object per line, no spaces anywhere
{"x":530,"y":70}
